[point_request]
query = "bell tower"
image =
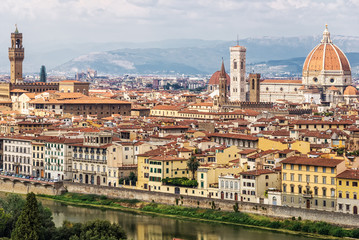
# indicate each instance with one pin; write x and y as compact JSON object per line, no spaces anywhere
{"x":16,"y":56}
{"x":223,"y":96}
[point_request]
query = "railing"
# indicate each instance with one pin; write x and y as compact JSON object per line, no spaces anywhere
{"x":307,"y":195}
{"x":90,"y":160}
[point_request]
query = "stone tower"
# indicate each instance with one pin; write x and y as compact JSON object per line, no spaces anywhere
{"x":254,"y":87}
{"x":16,"y":56}
{"x":238,"y":73}
{"x":222,"y":98}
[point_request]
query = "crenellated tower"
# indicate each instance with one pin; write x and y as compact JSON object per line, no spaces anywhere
{"x":16,"y":57}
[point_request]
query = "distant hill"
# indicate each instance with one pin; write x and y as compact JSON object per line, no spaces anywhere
{"x":270,"y":55}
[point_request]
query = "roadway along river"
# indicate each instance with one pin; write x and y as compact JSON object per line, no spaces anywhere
{"x":146,"y":227}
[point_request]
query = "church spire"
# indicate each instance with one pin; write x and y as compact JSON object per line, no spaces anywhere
{"x":223,"y":71}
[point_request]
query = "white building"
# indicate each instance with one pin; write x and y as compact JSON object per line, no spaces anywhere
{"x":229,"y":187}
{"x":17,"y":155}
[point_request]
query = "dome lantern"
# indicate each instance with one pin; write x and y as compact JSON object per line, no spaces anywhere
{"x":326,"y":35}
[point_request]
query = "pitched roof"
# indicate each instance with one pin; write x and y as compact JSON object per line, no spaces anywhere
{"x":323,"y":162}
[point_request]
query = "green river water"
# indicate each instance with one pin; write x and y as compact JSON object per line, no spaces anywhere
{"x":148,"y":227}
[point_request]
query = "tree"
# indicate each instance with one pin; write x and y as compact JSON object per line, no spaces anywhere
{"x":193,"y":165}
{"x":12,"y":205}
{"x":102,"y":230}
{"x":28,"y":224}
{"x":43,"y":74}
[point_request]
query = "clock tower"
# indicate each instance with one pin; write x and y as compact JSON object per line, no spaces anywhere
{"x":16,"y":56}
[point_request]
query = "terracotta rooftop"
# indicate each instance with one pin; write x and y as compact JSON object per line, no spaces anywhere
{"x":324,"y":162}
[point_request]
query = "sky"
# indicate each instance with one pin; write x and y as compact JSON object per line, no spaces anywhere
{"x":74,"y":21}
{"x":56,"y":31}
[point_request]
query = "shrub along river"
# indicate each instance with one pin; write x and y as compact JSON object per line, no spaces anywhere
{"x":149,"y":227}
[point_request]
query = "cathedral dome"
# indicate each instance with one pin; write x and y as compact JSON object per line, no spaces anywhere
{"x":326,"y":57}
{"x":214,"y":80}
{"x":350,"y":91}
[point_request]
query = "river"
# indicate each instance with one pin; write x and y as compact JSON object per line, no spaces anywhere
{"x":148,"y":227}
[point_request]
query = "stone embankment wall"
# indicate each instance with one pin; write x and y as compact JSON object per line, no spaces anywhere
{"x":24,"y":186}
{"x":226,"y":205}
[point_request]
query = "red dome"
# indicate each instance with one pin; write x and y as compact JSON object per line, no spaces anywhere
{"x":326,"y":57}
{"x":214,"y":80}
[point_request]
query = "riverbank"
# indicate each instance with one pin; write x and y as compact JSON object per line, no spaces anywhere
{"x":290,"y":226}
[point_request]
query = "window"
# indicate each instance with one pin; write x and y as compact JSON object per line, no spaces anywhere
{"x":324,"y":203}
{"x":315,"y":179}
{"x":332,"y":192}
{"x":292,"y":167}
{"x":347,"y":183}
{"x":340,"y":195}
{"x":299,"y":177}
{"x":324,"y":180}
{"x":315,"y":169}
{"x":324,"y":169}
{"x":332,"y":181}
{"x":300,"y":167}
{"x":308,"y":168}
{"x":284,"y":176}
{"x":324,"y":192}
{"x":292,"y":176}
{"x":340,"y":182}
{"x":307,"y":178}
{"x":332,"y":170}
{"x":347,"y":194}
{"x":354,"y":184}
{"x":284,"y":166}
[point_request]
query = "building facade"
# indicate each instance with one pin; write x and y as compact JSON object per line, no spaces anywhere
{"x":238,"y":73}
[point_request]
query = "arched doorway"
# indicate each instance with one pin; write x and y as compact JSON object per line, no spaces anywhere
{"x":86,"y":179}
{"x":98,"y":180}
{"x":222,"y":195}
{"x":236,"y":196}
{"x":308,"y":203}
{"x":355,"y":210}
{"x":81,"y":178}
{"x":274,"y":201}
{"x":92,"y":179}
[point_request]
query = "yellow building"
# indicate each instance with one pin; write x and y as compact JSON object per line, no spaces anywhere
{"x":310,"y":182}
{"x":348,"y":190}
{"x":270,"y":144}
{"x":161,"y":167}
{"x":320,"y":125}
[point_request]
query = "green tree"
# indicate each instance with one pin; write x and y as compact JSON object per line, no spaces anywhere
{"x":43,"y":75}
{"x":28,"y":224}
{"x":4,"y":221}
{"x":102,"y":230}
{"x":193,"y":165}
{"x":47,"y":225}
{"x":12,"y":205}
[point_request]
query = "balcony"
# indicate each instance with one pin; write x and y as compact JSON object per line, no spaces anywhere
{"x":89,"y":160}
{"x":307,"y":195}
